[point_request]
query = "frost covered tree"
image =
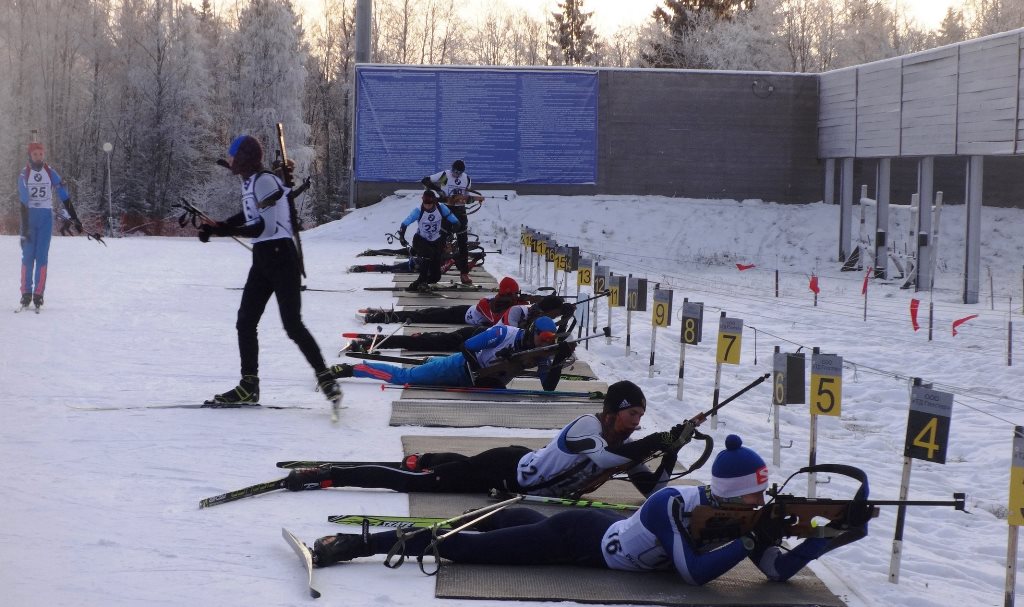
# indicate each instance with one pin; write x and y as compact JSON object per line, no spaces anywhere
{"x":685,"y":31}
{"x":270,"y":79}
{"x":572,"y":38}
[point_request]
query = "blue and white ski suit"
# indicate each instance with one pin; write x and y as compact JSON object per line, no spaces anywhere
{"x":36,"y":189}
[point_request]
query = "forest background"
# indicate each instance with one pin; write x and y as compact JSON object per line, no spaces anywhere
{"x":170,"y":82}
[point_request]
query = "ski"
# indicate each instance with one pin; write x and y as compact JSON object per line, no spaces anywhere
{"x":304,"y":553}
{"x":21,"y":309}
{"x":190,"y":406}
{"x":318,"y":463}
{"x":237,"y":494}
{"x":392,"y":522}
{"x":559,"y":501}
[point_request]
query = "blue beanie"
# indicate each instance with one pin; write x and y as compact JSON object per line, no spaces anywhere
{"x":738,"y":470}
{"x":544,"y":323}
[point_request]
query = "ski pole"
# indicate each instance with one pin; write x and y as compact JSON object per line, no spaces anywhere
{"x":398,"y":550}
{"x":375,"y":345}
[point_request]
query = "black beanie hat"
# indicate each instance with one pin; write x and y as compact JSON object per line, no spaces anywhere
{"x":623,"y":395}
{"x":248,"y":155}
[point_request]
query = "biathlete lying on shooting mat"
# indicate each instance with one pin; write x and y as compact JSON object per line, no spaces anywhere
{"x":582,"y":457}
{"x":491,"y":359}
{"x":660,"y":536}
{"x":519,"y":316}
{"x":484,"y":313}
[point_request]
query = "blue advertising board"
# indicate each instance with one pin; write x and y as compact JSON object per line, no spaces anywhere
{"x":510,"y":126}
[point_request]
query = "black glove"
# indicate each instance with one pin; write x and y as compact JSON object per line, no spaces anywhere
{"x":682,"y":433}
{"x":568,"y":309}
{"x":566,"y":348}
{"x":401,"y":237}
{"x":78,"y":224}
{"x":768,"y":531}
{"x":206,"y":230}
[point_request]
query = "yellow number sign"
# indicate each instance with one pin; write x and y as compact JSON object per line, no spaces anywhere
{"x":826,"y":384}
{"x":730,"y":339}
{"x":1016,"y":513}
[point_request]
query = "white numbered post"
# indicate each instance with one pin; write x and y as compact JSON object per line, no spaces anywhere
{"x":927,"y":439}
{"x":1015,"y":516}
{"x":730,"y":340}
{"x":826,"y":399}
{"x":690,"y":333}
{"x":600,"y":286}
{"x":661,"y":316}
{"x":616,"y":299}
{"x":636,"y":300}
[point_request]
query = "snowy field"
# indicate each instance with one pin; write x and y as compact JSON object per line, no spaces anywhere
{"x":100,"y":508}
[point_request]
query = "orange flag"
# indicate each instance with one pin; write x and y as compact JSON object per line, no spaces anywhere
{"x":814,"y":284}
{"x":914,"y":304}
{"x":741,"y":266}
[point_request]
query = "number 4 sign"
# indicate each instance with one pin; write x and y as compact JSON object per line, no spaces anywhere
{"x":928,"y":424}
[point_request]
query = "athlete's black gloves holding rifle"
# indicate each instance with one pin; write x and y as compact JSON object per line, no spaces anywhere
{"x":232,"y":226}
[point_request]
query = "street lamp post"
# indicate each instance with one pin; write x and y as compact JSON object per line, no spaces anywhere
{"x":107,"y":149}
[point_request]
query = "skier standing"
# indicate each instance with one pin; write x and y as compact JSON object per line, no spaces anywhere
{"x":37,"y":183}
{"x":275,"y":271}
{"x":427,"y":243}
{"x":453,"y":187}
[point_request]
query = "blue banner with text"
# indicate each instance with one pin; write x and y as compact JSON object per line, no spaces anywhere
{"x":510,"y":126}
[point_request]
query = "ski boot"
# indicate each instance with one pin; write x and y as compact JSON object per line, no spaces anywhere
{"x":340,"y":371}
{"x":325,"y":383}
{"x":413,"y":287}
{"x":466,"y":280}
{"x":26,"y":299}
{"x":37,"y":301}
{"x":246,"y":392}
{"x":425,"y":288}
{"x":342,"y":547}
{"x":305,"y":479}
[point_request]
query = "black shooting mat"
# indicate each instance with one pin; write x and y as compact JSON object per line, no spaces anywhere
{"x":472,"y":414}
{"x":743,"y":585}
{"x":413,"y":393}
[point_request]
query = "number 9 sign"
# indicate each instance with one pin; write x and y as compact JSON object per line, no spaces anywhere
{"x":661,"y":316}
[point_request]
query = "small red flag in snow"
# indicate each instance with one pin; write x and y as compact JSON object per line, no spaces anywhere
{"x":814,"y":284}
{"x":864,"y":287}
{"x":744,"y":266}
{"x":958,"y":322}
{"x":914,"y":304}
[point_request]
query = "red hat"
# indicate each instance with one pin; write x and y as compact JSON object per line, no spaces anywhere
{"x":35,"y":145}
{"x":508,"y":286}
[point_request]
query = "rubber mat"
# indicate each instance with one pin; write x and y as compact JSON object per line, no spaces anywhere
{"x":472,"y":414}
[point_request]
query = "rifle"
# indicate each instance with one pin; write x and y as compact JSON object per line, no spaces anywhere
{"x":800,"y":516}
{"x":511,"y":366}
{"x":688,"y":434}
{"x":286,"y":167}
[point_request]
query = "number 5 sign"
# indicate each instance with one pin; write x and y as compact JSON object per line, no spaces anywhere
{"x":826,"y":384}
{"x":928,"y":424}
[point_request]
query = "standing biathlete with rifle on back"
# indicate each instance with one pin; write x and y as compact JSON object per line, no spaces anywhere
{"x":453,"y":186}
{"x":427,"y":243}
{"x":266,"y":217}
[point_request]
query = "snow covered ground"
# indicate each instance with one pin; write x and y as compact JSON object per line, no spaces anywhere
{"x":100,"y":507}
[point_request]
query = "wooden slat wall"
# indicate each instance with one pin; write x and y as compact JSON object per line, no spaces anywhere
{"x":878,"y":110}
{"x":962,"y":99}
{"x":987,"y":99}
{"x":837,"y":114}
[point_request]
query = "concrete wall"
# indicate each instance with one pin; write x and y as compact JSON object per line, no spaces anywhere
{"x":695,"y":134}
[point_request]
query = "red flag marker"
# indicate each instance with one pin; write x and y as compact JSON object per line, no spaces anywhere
{"x":914,"y":304}
{"x":742,"y":267}
{"x":957,"y":323}
{"x":813,"y":286}
{"x":864,"y":287}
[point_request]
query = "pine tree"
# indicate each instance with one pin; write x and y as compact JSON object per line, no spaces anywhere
{"x":685,"y":27}
{"x":573,"y":38}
